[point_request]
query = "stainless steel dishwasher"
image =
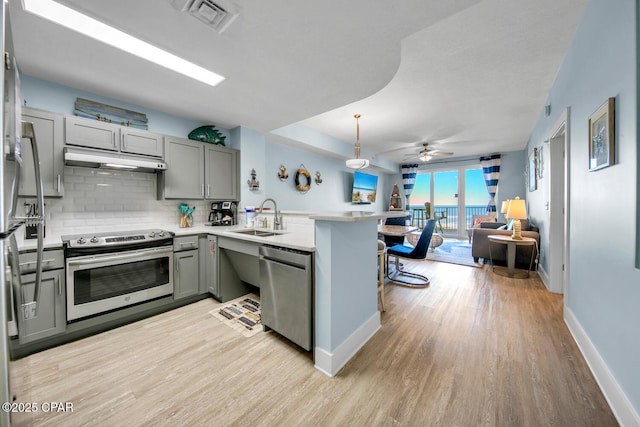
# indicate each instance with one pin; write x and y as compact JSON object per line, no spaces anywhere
{"x":286,"y":293}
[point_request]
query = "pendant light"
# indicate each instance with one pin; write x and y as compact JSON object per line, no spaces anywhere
{"x":357,"y":162}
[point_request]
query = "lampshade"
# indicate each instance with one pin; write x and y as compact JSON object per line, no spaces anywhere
{"x":517,"y":209}
{"x":357,"y":162}
{"x":505,"y":207}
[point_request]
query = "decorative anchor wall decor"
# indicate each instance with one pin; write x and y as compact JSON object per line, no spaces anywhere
{"x":283,"y":175}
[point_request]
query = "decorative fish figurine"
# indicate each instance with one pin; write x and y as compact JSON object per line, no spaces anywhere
{"x":207,"y":133}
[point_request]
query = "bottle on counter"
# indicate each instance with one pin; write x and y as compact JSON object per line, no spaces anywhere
{"x":249,"y":215}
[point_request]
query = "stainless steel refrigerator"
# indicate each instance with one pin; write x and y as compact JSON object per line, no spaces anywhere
{"x":14,"y":133}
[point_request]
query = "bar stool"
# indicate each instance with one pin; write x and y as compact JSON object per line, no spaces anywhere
{"x":418,"y":217}
{"x":381,"y":266}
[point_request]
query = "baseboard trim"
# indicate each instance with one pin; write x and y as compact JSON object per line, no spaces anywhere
{"x":331,"y":363}
{"x":622,"y":408}
{"x":544,"y":276}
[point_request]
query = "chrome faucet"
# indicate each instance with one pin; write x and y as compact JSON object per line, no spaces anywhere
{"x":277,"y":217}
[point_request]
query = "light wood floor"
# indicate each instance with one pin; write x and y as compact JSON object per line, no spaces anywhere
{"x":473,"y":349}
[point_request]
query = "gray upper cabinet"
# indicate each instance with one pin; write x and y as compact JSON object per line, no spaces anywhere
{"x":49,"y":136}
{"x":91,"y":133}
{"x":141,"y":142}
{"x":107,"y":136}
{"x":198,"y":171}
{"x":221,"y":173}
{"x":184,"y":178}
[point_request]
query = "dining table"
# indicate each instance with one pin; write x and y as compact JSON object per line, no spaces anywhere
{"x":396,"y":230}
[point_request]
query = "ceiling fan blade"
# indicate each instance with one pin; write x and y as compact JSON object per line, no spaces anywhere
{"x":440,"y":153}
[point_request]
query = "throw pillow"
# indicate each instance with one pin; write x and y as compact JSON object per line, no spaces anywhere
{"x":510,"y":224}
{"x":476,"y":223}
{"x":525,"y":225}
{"x":502,"y":227}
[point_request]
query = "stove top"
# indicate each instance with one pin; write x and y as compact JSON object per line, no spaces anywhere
{"x":116,"y":238}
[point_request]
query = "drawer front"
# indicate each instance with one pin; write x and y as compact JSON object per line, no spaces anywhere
{"x":51,"y":260}
{"x":185,"y":243}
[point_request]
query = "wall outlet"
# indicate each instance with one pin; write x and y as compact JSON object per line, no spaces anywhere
{"x":29,"y":310}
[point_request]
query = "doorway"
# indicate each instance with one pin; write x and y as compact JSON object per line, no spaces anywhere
{"x":559,"y":207}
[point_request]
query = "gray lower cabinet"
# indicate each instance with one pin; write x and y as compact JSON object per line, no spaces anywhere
{"x":185,"y":267}
{"x":198,"y":170}
{"x":48,"y":129}
{"x":209,"y":266}
{"x":51,"y":316}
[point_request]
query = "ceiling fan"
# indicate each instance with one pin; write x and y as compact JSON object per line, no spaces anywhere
{"x":428,"y":153}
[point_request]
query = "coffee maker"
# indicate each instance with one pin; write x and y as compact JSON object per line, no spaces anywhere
{"x":222,"y":213}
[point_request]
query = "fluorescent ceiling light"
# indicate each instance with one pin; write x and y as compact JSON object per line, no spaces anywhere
{"x":97,"y":30}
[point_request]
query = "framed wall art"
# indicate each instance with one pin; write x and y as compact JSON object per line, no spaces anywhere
{"x":533,"y":171}
{"x":602,"y":136}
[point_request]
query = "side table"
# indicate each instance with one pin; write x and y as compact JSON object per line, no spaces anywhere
{"x":511,"y":250}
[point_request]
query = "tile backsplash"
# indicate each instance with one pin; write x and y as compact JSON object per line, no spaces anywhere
{"x":103,"y":199}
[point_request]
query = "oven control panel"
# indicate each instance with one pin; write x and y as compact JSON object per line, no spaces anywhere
{"x":115,"y":238}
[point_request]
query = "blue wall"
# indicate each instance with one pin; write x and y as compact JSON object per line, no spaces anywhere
{"x":604,"y":287}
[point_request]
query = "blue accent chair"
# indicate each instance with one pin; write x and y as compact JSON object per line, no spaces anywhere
{"x":408,"y":252}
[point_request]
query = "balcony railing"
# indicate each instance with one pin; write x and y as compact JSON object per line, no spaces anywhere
{"x":448,"y":216}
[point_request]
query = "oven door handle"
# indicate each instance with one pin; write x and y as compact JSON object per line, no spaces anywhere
{"x":109,"y":258}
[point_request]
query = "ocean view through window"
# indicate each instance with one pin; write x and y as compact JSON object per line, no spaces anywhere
{"x":450,"y":192}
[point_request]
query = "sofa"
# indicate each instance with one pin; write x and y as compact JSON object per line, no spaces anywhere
{"x":480,"y":243}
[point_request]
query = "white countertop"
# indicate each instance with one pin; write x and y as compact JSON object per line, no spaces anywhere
{"x":297,"y":236}
{"x":300,"y":238}
{"x":355,"y":216}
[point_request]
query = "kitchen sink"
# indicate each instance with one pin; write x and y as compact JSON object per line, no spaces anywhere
{"x":257,"y":232}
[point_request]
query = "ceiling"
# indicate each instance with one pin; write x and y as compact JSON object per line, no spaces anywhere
{"x":467,"y":76}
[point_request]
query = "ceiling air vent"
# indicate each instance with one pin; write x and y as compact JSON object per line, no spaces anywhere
{"x":217,"y":15}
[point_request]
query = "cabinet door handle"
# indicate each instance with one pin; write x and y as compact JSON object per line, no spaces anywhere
{"x":202,"y":190}
{"x":123,"y":141}
{"x":59,"y":282}
{"x":208,"y":189}
{"x":177,"y":265}
{"x":44,"y":261}
{"x":58,"y":188}
{"x":113,"y":139}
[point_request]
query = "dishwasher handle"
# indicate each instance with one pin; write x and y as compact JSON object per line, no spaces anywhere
{"x":293,"y":258}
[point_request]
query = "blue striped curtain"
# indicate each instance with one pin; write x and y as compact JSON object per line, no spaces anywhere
{"x":408,"y":180}
{"x":491,"y":172}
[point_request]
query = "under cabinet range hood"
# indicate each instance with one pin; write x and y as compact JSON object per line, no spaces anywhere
{"x":107,"y":160}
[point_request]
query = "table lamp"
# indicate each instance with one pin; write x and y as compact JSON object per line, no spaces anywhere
{"x":517,"y":210}
{"x":505,"y":208}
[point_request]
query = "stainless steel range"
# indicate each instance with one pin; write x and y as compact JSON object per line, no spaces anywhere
{"x":107,"y":271}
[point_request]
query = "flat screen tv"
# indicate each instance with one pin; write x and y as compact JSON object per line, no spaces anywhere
{"x":364,"y":188}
